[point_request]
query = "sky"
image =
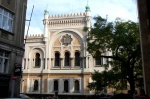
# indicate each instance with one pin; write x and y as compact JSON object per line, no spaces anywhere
{"x":124,"y":9}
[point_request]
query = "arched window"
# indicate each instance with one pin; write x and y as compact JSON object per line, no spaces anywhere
{"x":66,"y":86}
{"x":57,"y":59}
{"x":37,"y":60}
{"x":76,"y":86}
{"x":36,"y":83}
{"x":77,"y":59}
{"x":67,"y":59}
{"x":56,"y":85}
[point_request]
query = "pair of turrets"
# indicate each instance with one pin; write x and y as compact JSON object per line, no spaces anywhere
{"x":46,"y":12}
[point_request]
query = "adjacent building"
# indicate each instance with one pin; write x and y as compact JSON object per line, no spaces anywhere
{"x":144,"y":21}
{"x":57,"y":60}
{"x":12,"y":24}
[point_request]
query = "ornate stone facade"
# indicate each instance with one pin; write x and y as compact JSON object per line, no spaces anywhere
{"x":59,"y":59}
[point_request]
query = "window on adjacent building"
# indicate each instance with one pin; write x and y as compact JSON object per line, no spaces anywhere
{"x":57,"y":59}
{"x":76,"y":86}
{"x":4,"y":61}
{"x":37,"y":60}
{"x":98,"y":61}
{"x":67,"y":59}
{"x":6,"y":20}
{"x":36,"y":84}
{"x":56,"y":85}
{"x":66,"y":86}
{"x":77,"y":59}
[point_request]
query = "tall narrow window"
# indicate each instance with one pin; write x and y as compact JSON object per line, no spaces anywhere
{"x":4,"y":61}
{"x":98,"y":61}
{"x":77,"y":59}
{"x":37,"y":60}
{"x":66,"y":86}
{"x":5,"y":65}
{"x":36,"y":83}
{"x":57,"y":59}
{"x":67,"y":59}
{"x":6,"y":20}
{"x":56,"y":85}
{"x":76,"y":86}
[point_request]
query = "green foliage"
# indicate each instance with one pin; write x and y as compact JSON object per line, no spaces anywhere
{"x":103,"y":79}
{"x":122,"y":39}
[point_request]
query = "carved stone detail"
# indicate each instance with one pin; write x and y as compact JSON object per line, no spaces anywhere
{"x":66,"y":40}
{"x":76,"y":41}
{"x":57,"y":42}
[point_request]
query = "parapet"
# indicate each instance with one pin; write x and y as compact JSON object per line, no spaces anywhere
{"x":34,"y":36}
{"x":67,"y":15}
{"x":76,"y":19}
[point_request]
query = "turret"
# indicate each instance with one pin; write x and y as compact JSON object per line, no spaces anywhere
{"x":45,"y":22}
{"x":46,"y":14}
{"x":87,"y":10}
{"x":88,"y":15}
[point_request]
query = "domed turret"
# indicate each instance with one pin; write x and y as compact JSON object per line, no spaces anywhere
{"x":87,"y":7}
{"x":46,"y":11}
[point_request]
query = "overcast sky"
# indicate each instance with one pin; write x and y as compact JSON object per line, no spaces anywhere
{"x":124,"y":9}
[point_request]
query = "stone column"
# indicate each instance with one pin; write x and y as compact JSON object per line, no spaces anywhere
{"x":61,"y":62}
{"x":28,"y":85}
{"x":81,"y":64}
{"x":47,"y":63}
{"x":48,"y":80}
{"x":25,"y":63}
{"x":52,"y":62}
{"x":28,"y":63}
{"x":88,"y":62}
{"x":43,"y":63}
{"x":72,"y":62}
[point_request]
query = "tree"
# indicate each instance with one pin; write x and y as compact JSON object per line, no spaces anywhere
{"x":122,"y":39}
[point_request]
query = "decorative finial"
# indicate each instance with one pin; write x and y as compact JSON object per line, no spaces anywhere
{"x":87,"y":2}
{"x":46,"y":11}
{"x":87,"y":7}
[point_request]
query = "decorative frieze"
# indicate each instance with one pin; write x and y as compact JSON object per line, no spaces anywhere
{"x":67,"y":48}
{"x":56,"y":48}
{"x":76,"y":47}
